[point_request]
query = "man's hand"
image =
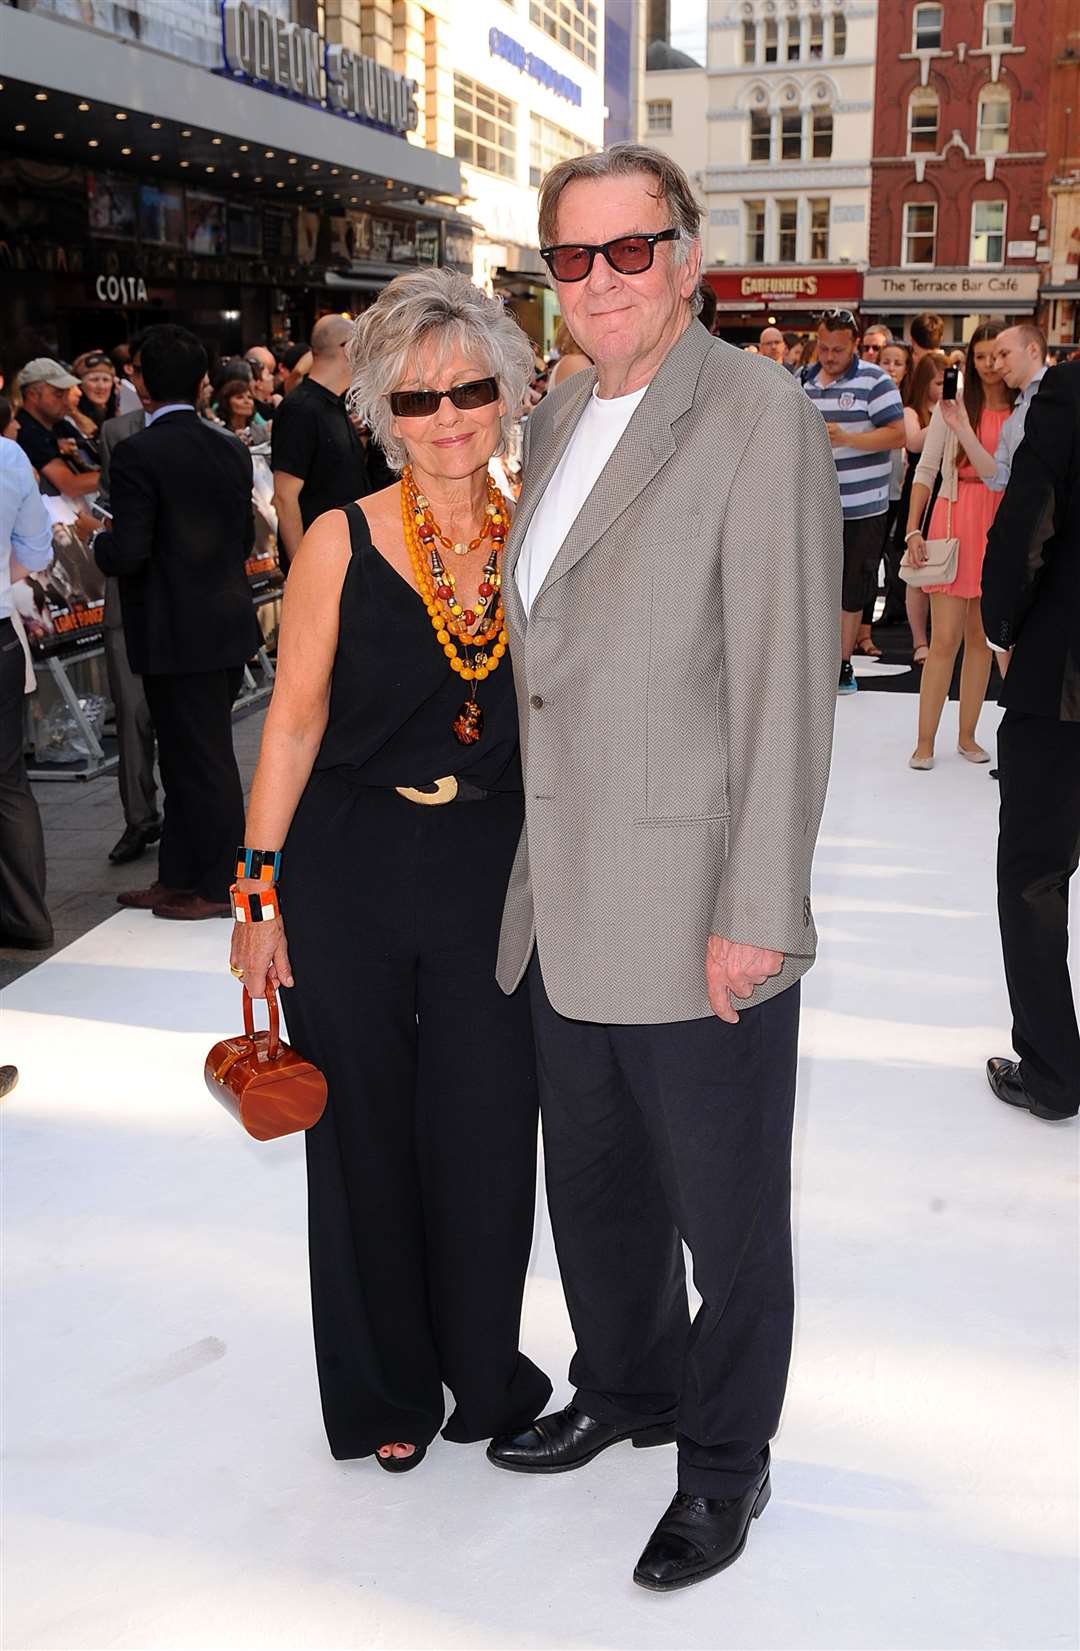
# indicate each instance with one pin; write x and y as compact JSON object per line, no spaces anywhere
{"x":733,"y":970}
{"x":838,"y":435}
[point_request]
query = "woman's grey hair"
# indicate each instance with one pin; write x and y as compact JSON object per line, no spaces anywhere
{"x":438,"y":304}
{"x":624,"y":160}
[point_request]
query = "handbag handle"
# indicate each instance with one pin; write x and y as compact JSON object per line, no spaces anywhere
{"x":274,"y":1044}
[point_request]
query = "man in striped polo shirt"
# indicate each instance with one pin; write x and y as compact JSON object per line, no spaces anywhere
{"x":865,"y":419}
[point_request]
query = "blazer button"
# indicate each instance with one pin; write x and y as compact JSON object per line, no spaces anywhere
{"x":536,"y":702}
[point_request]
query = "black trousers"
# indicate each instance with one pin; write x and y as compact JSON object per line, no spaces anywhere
{"x":23,"y":913}
{"x":1038,"y":852}
{"x":134,"y":733}
{"x":422,"y":1169}
{"x":204,"y":799}
{"x":654,"y":1135}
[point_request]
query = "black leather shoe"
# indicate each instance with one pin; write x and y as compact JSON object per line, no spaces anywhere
{"x":699,"y":1536}
{"x":568,"y":1439}
{"x":1008,"y":1085}
{"x":135,"y":841}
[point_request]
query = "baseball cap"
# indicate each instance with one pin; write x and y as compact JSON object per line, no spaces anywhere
{"x":44,"y":370}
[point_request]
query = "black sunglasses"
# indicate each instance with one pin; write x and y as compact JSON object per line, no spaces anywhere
{"x":629,"y":255}
{"x":480,"y":392}
{"x":831,"y":319}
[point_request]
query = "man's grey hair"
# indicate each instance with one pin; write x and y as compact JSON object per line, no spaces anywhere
{"x":445,"y":306}
{"x":625,"y":160}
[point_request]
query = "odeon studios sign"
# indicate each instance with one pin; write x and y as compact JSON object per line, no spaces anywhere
{"x":270,"y":51}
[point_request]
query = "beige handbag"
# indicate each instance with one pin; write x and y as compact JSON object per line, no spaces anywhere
{"x":942,"y":556}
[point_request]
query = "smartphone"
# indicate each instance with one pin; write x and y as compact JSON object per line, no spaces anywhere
{"x":950,"y":388}
{"x":101,"y":513}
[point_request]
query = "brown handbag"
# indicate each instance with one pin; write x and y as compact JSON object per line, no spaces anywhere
{"x":266,"y":1085}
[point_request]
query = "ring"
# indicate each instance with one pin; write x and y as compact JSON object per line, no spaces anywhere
{"x":233,"y":970}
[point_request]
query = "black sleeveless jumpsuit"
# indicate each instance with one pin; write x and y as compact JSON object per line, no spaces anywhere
{"x":422,"y":1170}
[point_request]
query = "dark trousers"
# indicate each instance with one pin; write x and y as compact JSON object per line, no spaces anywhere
{"x":892,"y":554}
{"x":422,"y":1169}
{"x":134,"y":734}
{"x":204,"y":800}
{"x":654,"y":1135}
{"x":1038,"y":852}
{"x":23,"y":913}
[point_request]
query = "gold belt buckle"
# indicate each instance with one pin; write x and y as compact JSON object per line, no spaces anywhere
{"x":445,"y":791}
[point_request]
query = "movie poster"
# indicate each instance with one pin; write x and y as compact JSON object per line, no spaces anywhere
{"x":64,"y":602}
{"x":111,"y":205}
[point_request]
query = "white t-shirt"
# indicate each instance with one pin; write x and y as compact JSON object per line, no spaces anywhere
{"x":594,"y":440}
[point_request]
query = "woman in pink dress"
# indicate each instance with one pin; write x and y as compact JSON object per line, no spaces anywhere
{"x":955,"y":613}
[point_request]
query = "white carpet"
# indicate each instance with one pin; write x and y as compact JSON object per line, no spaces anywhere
{"x":167,"y":1482}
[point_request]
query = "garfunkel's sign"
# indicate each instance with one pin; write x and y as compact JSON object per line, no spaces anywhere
{"x":271,"y":51}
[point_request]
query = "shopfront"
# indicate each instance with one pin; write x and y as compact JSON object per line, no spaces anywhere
{"x":790,"y":298}
{"x":266,"y":180}
{"x":962,"y":297}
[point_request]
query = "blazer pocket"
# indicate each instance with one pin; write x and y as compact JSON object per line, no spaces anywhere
{"x":686,"y":774}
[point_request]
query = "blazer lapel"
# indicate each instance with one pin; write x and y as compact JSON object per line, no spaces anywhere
{"x":645,"y":447}
{"x":541,"y":464}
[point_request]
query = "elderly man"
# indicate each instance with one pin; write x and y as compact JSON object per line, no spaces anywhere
{"x":675,"y":659}
{"x":771,"y":344}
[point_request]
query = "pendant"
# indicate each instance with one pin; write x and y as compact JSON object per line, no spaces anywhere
{"x":461,"y":548}
{"x":468,"y":725}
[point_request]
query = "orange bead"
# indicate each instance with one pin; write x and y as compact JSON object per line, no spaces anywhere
{"x":449,"y":650}
{"x":456,"y":665}
{"x":467,"y":673}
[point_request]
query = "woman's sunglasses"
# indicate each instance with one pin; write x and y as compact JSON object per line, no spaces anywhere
{"x":629,"y":255}
{"x":480,"y":392}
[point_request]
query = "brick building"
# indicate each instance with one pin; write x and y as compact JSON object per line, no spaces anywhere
{"x":1061,"y":292}
{"x":959,"y":215}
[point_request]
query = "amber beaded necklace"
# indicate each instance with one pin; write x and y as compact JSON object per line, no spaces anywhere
{"x":464,"y":633}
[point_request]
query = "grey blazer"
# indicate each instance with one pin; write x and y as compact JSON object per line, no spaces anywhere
{"x":113,"y":432}
{"x":676,"y":682}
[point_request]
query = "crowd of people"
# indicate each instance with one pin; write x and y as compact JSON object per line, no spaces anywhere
{"x":534,"y":814}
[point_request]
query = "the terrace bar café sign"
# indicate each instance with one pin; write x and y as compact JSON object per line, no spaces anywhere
{"x":290,"y":58}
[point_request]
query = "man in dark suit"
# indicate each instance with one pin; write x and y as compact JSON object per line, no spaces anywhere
{"x":1031,"y":610}
{"x":183,"y":528}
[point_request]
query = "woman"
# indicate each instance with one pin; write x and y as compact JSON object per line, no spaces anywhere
{"x":924,"y":393}
{"x":98,"y":396}
{"x":959,"y":432}
{"x":234,"y":406}
{"x":389,"y":774}
{"x":895,"y":359}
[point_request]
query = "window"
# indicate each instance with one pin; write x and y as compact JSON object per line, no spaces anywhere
{"x":992,"y":137}
{"x":821,"y":129}
{"x":791,"y":135}
{"x":484,"y":128}
{"x":839,"y":35}
{"x":787,"y":224}
{"x":923,"y":118}
{"x":772,"y":40}
{"x":755,"y":231}
{"x":573,"y":23}
{"x":988,"y":232}
{"x":819,"y":229}
{"x":817,"y":36}
{"x":920,"y":233}
{"x":999,"y":17}
{"x":760,"y":135}
{"x":926,"y":33}
{"x":749,"y":41}
{"x":794,"y":39}
{"x":549,"y":144}
{"x":658,"y":115}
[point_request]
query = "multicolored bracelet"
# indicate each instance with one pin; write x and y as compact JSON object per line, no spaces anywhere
{"x":263,"y":864}
{"x":254,"y":906}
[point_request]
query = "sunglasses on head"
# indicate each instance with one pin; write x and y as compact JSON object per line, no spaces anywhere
{"x":831,"y":319}
{"x":479,"y":392}
{"x":92,"y":361}
{"x":628,"y":255}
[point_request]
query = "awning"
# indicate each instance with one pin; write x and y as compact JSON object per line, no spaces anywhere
{"x":1067,"y":289}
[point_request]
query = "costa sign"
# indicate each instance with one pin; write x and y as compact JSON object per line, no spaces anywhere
{"x":121,"y":289}
{"x":273,"y":52}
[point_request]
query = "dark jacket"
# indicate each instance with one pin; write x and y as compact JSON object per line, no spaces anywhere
{"x":114,"y":431}
{"x":1031,"y":576}
{"x":183,"y":528}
